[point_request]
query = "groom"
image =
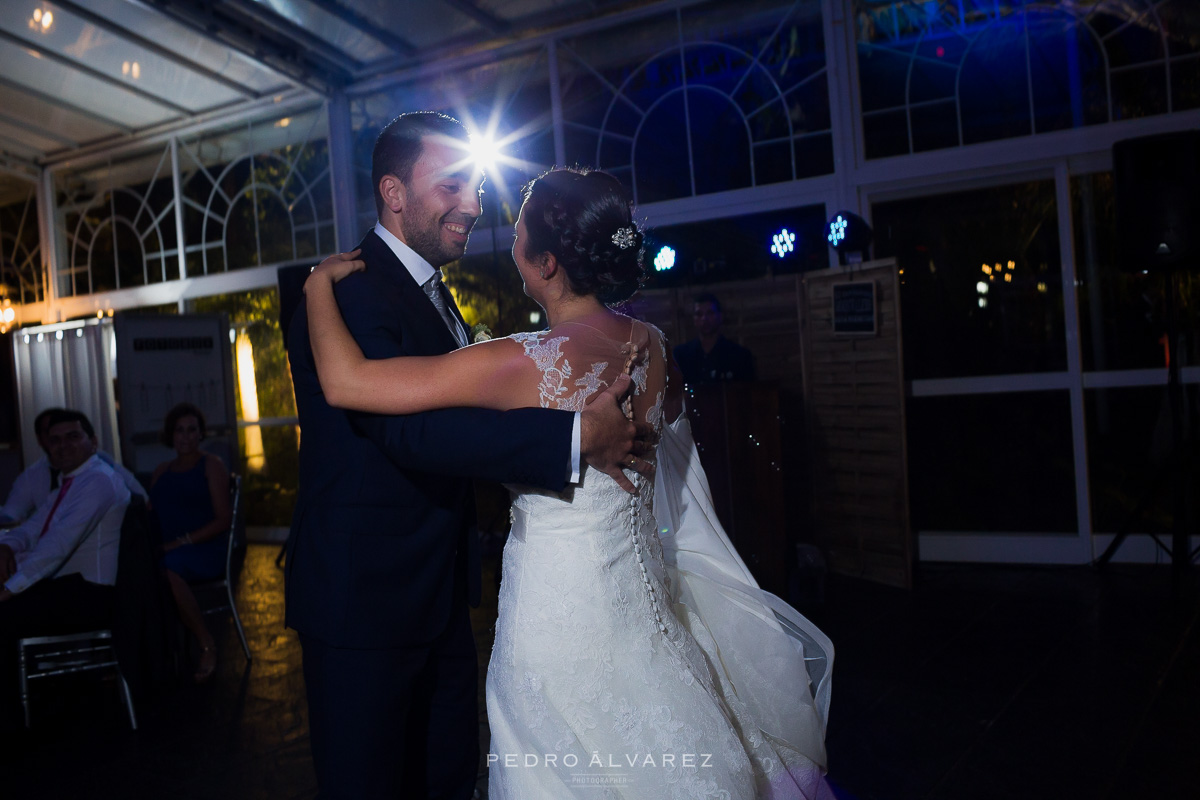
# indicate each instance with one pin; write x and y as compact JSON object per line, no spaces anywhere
{"x":382,"y":564}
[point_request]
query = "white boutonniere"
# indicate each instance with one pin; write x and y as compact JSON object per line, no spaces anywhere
{"x":480,"y":333}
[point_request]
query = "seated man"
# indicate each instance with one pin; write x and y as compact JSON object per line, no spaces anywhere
{"x":41,"y":478}
{"x":60,"y":565}
{"x":711,"y":358}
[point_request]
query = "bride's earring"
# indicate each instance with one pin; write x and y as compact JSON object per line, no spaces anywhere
{"x":542,"y":273}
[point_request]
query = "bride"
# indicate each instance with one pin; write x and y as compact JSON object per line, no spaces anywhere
{"x":635,"y":656}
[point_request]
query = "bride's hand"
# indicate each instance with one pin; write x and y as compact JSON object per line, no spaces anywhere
{"x":336,"y":267}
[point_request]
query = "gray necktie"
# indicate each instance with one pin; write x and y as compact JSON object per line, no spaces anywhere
{"x":434,"y":288}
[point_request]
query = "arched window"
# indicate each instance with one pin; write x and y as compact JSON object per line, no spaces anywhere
{"x":953,"y":73}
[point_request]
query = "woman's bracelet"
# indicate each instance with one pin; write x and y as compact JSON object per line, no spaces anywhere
{"x":186,"y":538}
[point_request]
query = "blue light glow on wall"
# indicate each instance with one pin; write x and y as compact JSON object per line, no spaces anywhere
{"x":664,"y":260}
{"x":783,"y":243}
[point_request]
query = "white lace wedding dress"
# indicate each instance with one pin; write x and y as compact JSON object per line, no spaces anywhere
{"x":637,"y":658}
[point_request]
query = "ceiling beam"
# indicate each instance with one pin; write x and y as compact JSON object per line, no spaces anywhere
{"x":154,"y":47}
{"x":63,"y":104}
{"x":15,"y":144}
{"x":491,"y":23}
{"x":37,"y":130}
{"x":103,"y":77}
{"x":284,"y":104}
{"x":19,"y":167}
{"x":369,"y":27}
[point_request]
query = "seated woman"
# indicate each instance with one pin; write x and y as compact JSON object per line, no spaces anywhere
{"x":189,"y":496}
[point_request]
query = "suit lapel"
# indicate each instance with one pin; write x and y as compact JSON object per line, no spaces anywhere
{"x":416,"y":308}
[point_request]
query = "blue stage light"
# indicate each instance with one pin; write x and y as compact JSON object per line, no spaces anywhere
{"x":850,"y":235}
{"x":783,"y":243}
{"x":664,"y":260}
{"x":837,"y":230}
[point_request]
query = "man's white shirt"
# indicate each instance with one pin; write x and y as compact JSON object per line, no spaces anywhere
{"x":84,"y":534}
{"x":32,"y":487}
{"x":421,"y":271}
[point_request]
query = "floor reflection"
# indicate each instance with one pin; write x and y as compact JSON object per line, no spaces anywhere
{"x":1035,"y":682}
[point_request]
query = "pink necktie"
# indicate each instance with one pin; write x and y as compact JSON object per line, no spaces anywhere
{"x":66,"y":484}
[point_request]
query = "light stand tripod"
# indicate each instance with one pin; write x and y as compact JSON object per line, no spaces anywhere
{"x":1180,"y":465}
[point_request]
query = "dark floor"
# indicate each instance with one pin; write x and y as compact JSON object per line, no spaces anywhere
{"x":982,"y":682}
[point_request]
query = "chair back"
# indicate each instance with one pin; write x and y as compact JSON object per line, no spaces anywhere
{"x":142,"y":610}
{"x":235,"y":551}
{"x":237,"y":530}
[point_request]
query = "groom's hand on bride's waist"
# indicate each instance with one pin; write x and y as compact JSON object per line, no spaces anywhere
{"x":609,"y":442}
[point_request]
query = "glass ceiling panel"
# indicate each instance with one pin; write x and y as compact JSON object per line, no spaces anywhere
{"x":67,"y":124}
{"x":357,"y":45}
{"x":214,"y":56}
{"x":107,"y":53}
{"x":22,"y":66}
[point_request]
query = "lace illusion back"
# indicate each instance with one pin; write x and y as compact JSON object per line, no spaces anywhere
{"x":598,"y":686}
{"x":577,"y":360}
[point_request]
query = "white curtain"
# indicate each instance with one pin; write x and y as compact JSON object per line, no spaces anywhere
{"x":67,"y":365}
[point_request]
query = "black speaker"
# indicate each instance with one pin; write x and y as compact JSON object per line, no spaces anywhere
{"x":1157,"y":180}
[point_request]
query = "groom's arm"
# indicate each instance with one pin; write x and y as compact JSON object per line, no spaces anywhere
{"x":538,"y":447}
{"x":530,"y":446}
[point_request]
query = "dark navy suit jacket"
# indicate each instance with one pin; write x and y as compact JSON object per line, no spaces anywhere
{"x":381,"y":526}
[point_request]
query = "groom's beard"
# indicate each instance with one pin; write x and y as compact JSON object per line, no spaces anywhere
{"x":426,"y":238}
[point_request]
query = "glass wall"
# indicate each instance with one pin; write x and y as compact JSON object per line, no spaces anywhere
{"x":981,"y":280}
{"x":706,"y":98}
{"x":268,"y":434}
{"x":117,"y":224}
{"x":257,"y":194}
{"x":252,"y":195}
{"x":1123,"y":314}
{"x":1130,"y":441}
{"x":1123,"y":318}
{"x":20,"y":250}
{"x":981,"y":296}
{"x":991,"y":463}
{"x":949,"y":73}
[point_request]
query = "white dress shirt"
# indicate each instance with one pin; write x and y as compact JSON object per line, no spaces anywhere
{"x":32,"y":487}
{"x":84,"y":533}
{"x":421,"y":271}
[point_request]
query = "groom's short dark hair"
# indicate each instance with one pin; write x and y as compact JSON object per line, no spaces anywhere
{"x":399,"y":145}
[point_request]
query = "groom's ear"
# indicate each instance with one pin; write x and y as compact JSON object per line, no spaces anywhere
{"x":393,"y":192}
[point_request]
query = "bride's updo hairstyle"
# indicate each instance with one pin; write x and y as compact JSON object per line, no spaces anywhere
{"x":584,"y":218}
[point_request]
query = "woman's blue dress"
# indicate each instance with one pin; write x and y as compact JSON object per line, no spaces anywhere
{"x":182,"y":503}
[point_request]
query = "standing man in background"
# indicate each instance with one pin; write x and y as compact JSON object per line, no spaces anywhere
{"x":711,"y":358}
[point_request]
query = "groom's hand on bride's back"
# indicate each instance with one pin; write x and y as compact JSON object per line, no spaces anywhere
{"x":608,"y":441}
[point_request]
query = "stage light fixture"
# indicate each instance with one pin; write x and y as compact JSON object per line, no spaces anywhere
{"x":848,"y":234}
{"x":783,"y":243}
{"x":665,"y":259}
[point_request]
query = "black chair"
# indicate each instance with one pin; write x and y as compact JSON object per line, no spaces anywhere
{"x":223,"y":586}
{"x":42,"y":657}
